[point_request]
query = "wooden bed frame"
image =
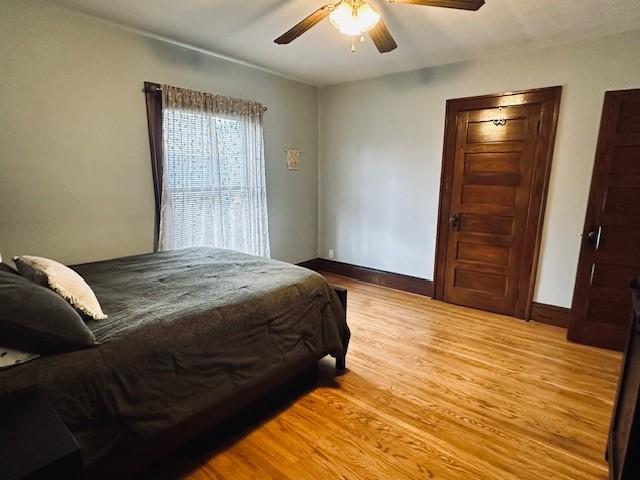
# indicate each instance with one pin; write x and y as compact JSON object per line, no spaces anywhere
{"x":127,"y":460}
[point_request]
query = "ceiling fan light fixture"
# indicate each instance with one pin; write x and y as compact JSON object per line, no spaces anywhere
{"x":354,"y":18}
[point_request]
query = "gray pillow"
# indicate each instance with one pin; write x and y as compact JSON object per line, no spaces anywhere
{"x":35,"y":319}
{"x":7,"y":268}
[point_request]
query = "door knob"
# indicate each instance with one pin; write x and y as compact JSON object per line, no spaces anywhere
{"x":592,"y":238}
{"x":454,"y":222}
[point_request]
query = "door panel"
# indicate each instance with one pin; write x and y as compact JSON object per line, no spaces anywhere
{"x":486,"y":224}
{"x":484,"y":130}
{"x":612,"y":276}
{"x":483,"y":282}
{"x":494,"y":162}
{"x":488,"y":195}
{"x":620,"y":239}
{"x":625,"y":160}
{"x":478,"y":252}
{"x":610,"y":253}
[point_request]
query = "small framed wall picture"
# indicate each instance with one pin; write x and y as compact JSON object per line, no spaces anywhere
{"x":293,"y":158}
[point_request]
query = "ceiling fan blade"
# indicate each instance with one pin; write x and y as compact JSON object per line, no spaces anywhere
{"x":304,"y":25}
{"x":382,"y":38}
{"x":458,"y":4}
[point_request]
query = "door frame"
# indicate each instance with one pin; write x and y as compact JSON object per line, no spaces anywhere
{"x":549,"y":98}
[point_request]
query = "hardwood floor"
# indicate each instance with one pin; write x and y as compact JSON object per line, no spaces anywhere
{"x":433,"y":391}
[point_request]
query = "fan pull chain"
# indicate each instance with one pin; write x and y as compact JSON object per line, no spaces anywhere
{"x":353,"y":42}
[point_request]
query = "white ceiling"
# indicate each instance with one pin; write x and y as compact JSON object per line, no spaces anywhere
{"x":426,"y":36}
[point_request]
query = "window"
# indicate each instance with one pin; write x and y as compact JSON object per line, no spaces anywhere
{"x":213,"y":187}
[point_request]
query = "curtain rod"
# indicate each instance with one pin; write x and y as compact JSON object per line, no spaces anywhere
{"x":158,"y":89}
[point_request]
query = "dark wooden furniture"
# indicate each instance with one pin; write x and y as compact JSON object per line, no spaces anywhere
{"x":34,"y":443}
{"x":495,"y":174}
{"x":623,"y":452}
{"x":610,"y":253}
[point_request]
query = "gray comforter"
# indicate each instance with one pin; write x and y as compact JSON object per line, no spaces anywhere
{"x":186,"y":329}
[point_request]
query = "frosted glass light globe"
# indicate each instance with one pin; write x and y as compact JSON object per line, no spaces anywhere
{"x":351,"y":21}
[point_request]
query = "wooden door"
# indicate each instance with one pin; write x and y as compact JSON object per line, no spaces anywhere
{"x":610,"y":253}
{"x":497,"y":161}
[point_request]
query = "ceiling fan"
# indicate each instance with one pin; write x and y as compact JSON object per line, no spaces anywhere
{"x":356,"y":17}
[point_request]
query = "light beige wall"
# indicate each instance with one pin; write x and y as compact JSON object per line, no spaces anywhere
{"x":381,"y":152}
{"x":75,"y":177}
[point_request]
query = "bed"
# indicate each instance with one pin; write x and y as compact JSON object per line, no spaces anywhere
{"x":191,"y":334}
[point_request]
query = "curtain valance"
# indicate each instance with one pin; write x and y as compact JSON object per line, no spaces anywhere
{"x":183,"y":98}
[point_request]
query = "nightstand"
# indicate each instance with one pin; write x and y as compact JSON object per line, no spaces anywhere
{"x":34,"y":443}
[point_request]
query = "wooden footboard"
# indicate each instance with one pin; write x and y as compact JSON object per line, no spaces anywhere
{"x":341,"y":362}
{"x":131,"y":459}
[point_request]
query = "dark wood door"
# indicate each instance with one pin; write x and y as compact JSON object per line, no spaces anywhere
{"x":500,"y":154}
{"x":610,"y":253}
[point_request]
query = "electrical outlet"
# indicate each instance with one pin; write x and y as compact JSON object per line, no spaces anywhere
{"x":331,"y":253}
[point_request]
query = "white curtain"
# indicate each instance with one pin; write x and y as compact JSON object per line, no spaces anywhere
{"x":213,"y":188}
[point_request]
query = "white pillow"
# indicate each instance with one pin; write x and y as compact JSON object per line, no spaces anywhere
{"x":62,"y":280}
